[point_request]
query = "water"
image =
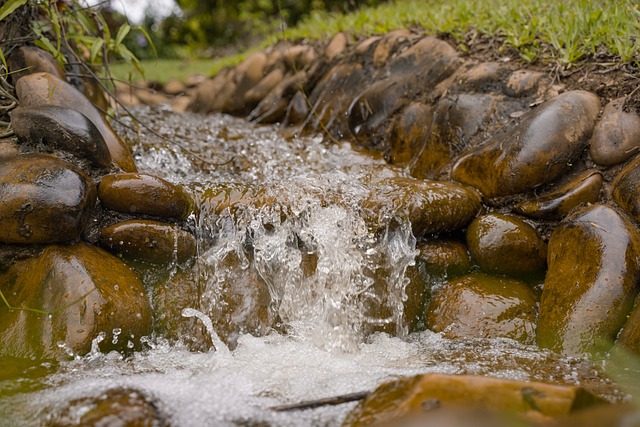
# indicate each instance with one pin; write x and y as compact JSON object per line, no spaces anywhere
{"x":290,"y":285}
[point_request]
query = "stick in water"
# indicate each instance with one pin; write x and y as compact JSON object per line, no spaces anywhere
{"x":310,"y":404}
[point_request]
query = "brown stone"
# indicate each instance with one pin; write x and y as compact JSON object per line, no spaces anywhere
{"x":483,"y":306}
{"x":65,"y":297}
{"x":47,"y":89}
{"x":44,"y":199}
{"x":61,"y":128}
{"x":263,"y":87}
{"x":206,"y":98}
{"x":626,"y":189}
{"x":413,"y":395}
{"x":144,"y":194}
{"x":149,"y":241}
{"x":537,"y":149}
{"x":389,"y":45}
{"x":30,"y":59}
{"x":591,"y":282}
{"x":115,"y":407}
{"x":505,"y":244}
{"x":174,"y":87}
{"x":274,"y":106}
{"x":336,"y":46}
{"x":582,"y":189}
{"x":430,"y":206}
{"x":444,"y":257}
{"x":616,"y":136}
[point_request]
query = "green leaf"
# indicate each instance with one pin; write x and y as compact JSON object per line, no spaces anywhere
{"x":4,"y":62}
{"x":96,"y":47}
{"x":122,"y":33}
{"x":9,"y":7}
{"x":146,"y":36}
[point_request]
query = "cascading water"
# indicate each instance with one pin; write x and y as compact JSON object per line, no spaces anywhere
{"x":329,"y":283}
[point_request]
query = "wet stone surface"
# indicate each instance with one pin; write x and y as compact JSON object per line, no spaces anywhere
{"x":591,"y":283}
{"x":44,"y":199}
{"x":483,"y":306}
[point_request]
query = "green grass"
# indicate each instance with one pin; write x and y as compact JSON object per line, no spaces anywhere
{"x":554,"y":30}
{"x":562,"y":31}
{"x":162,"y":70}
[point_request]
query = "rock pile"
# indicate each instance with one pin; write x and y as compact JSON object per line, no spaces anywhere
{"x":73,"y":204}
{"x":505,"y":162}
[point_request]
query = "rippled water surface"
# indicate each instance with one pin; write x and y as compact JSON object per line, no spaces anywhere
{"x":323,"y":345}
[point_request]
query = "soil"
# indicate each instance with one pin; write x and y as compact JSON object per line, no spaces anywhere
{"x":600,"y":73}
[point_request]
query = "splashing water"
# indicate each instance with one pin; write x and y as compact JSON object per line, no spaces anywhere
{"x":292,"y":278}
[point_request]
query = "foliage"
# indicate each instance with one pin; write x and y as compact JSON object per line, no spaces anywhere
{"x":71,"y":33}
{"x":563,"y":31}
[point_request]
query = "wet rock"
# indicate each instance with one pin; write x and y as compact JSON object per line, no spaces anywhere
{"x":504,"y":244}
{"x":298,"y":57}
{"x":388,"y":46}
{"x":46,"y":89}
{"x":537,"y":149}
{"x":61,"y":128}
{"x":616,"y":137}
{"x":430,"y":206}
{"x":523,"y":83}
{"x":232,"y":197}
{"x":144,"y":194}
{"x":626,"y":189}
{"x":174,"y":87}
{"x":115,"y":407}
{"x":582,"y":189}
{"x":581,"y":307}
{"x":416,"y":70}
{"x":245,"y":76}
{"x":483,"y":306}
{"x":30,"y":59}
{"x":151,"y":97}
{"x":44,"y":199}
{"x":409,"y":136}
{"x":149,"y":241}
{"x":180,"y":291}
{"x":413,"y":395}
{"x":274,"y":106}
{"x":620,"y":415}
{"x":8,"y":149}
{"x":65,"y":297}
{"x":10,"y":254}
{"x":444,"y":257}
{"x":263,"y":87}
{"x":298,"y":109}
{"x":336,"y":46}
{"x":366,"y":44}
{"x":207,"y":97}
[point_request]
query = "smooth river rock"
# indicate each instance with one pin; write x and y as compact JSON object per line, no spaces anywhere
{"x":582,"y":189}
{"x":144,"y":194}
{"x":423,"y":393}
{"x":539,"y":148}
{"x":483,"y":306}
{"x":149,"y":241}
{"x":65,"y":297}
{"x":44,"y":199}
{"x":626,"y":189}
{"x":591,"y":282}
{"x":430,"y":206}
{"x":443,"y":257}
{"x":505,"y":244}
{"x":61,"y":128}
{"x":616,"y":137}
{"x":30,"y":59}
{"x":46,"y":89}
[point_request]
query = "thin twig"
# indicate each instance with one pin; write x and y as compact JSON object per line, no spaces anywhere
{"x":310,"y":404}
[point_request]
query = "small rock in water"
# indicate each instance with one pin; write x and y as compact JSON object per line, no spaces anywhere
{"x":505,"y":244}
{"x":144,"y":194}
{"x":483,"y":306}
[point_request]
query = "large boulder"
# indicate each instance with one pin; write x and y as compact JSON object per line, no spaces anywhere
{"x":67,"y":297}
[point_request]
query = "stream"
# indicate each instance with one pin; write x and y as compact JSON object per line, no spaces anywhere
{"x":326,"y":340}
